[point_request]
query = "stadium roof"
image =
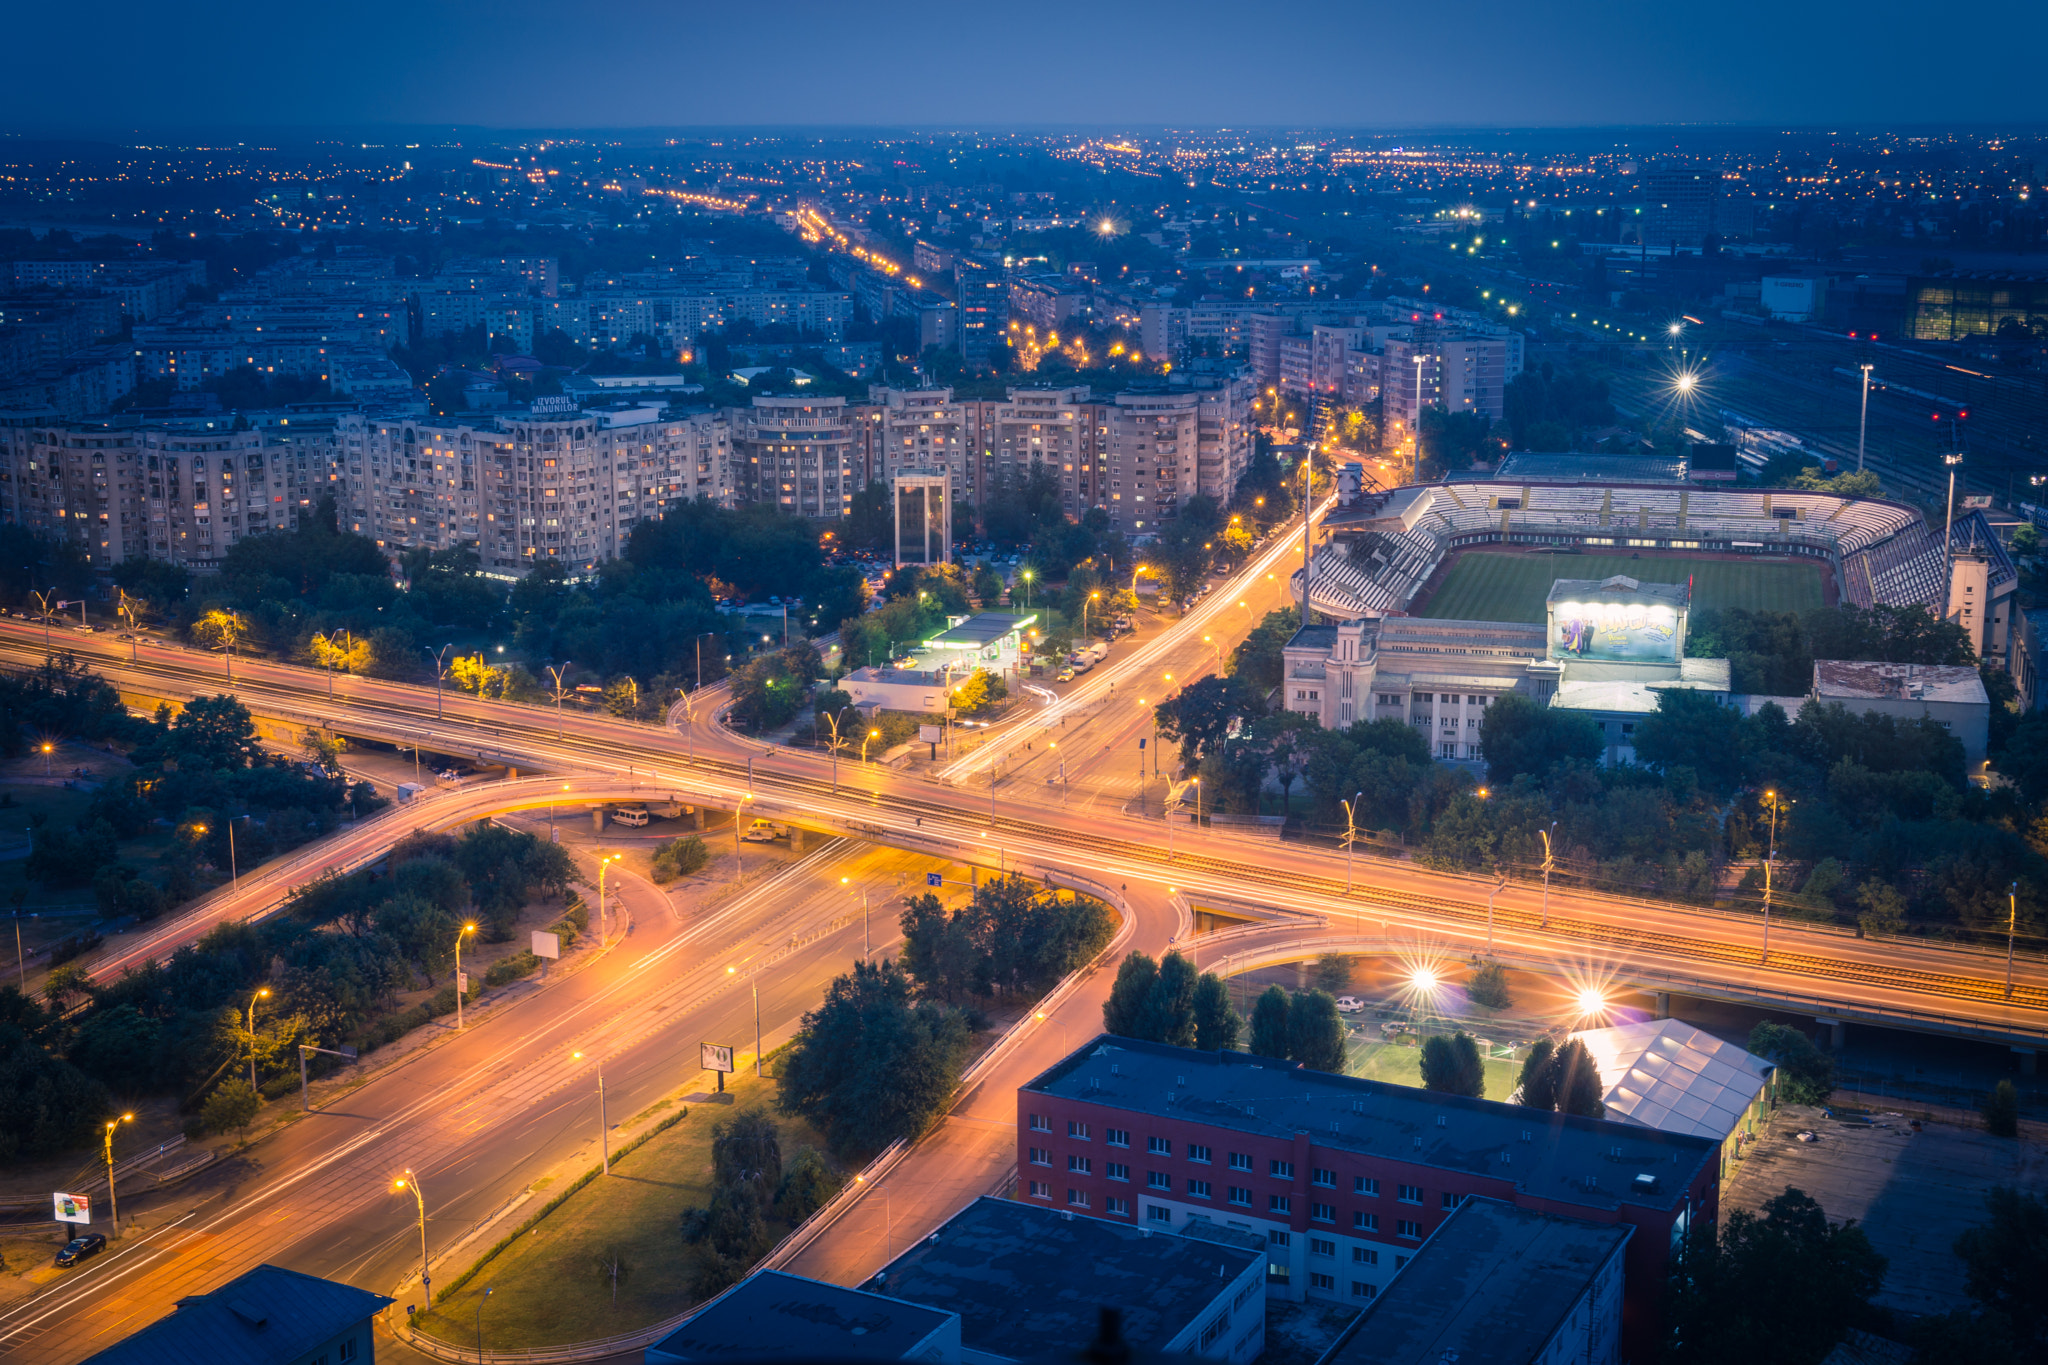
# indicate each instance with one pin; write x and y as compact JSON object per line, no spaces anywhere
{"x":1668,"y":1075}
{"x":1534,"y":468}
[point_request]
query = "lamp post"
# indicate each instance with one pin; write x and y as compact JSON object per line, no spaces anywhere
{"x":1489,"y":914}
{"x":305,"y":1090}
{"x":2012,"y":926}
{"x":1549,"y":861}
{"x":559,"y":693}
{"x":1350,"y":834}
{"x":1092,"y":597}
{"x":1863,"y":422}
{"x":234,"y":875}
{"x":46,"y":758}
{"x":833,"y":721}
{"x":871,"y":735}
{"x":480,"y":1324}
{"x":440,"y":671}
{"x":459,"y":983}
{"x":604,"y":1135}
{"x":412,"y":1182}
{"x":866,"y":943}
{"x":260,"y":994}
{"x":113,"y":1200}
{"x":1026,"y":576}
{"x":44,"y":607}
{"x":754,"y":983}
{"x":1948,"y":567}
{"x":603,"y":864}
{"x":1776,"y":803}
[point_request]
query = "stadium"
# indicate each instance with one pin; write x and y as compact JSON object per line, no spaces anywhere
{"x":1558,"y":581}
{"x":1409,"y":551}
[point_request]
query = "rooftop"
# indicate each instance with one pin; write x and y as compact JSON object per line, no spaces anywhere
{"x":1843,"y":679}
{"x":1029,"y":1281}
{"x":982,"y":629}
{"x":1619,"y":588}
{"x":1666,"y":1074}
{"x":1575,"y":1160}
{"x":258,"y":1318}
{"x":1491,"y":1287}
{"x":770,"y":1314}
{"x":1589,"y":468}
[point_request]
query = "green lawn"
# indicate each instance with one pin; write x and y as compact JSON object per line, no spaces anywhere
{"x":1482,"y":586}
{"x":1402,"y":1065}
{"x":547,"y":1288}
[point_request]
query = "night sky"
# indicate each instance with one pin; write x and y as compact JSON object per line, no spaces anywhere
{"x":122,"y":66}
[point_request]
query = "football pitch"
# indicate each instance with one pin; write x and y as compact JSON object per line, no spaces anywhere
{"x":1482,"y":586}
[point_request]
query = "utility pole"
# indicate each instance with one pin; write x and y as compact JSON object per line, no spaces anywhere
{"x":412,"y":1182}
{"x":1948,"y":530}
{"x":2012,"y":924}
{"x":1548,"y":860}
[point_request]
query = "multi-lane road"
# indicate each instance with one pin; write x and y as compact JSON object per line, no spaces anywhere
{"x":480,"y":1114}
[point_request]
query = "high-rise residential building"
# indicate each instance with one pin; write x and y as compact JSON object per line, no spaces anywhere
{"x":798,"y":454}
{"x":1678,"y":207}
{"x":984,"y":309}
{"x":919,"y":430}
{"x":1055,"y":428}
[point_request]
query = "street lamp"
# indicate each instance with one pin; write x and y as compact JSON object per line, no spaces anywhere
{"x":412,"y":1182}
{"x":870,"y":736}
{"x":604,"y":1135}
{"x":1350,"y":834}
{"x":833,"y":721}
{"x":603,"y":864}
{"x":1026,"y":576}
{"x":1776,"y":803}
{"x":46,"y":759}
{"x":1948,"y":533}
{"x":1489,"y":914}
{"x":113,"y":1201}
{"x":1548,"y":862}
{"x":2012,"y":924}
{"x":1863,"y":422}
{"x":1092,"y":597}
{"x":459,"y":983}
{"x":755,"y":983}
{"x":440,"y":671}
{"x":260,"y":994}
{"x":560,"y":693}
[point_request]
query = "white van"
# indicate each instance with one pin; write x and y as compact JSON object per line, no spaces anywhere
{"x":1098,"y":651}
{"x":632,"y":816}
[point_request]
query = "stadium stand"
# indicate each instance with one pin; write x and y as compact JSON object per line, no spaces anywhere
{"x":1385,"y":547}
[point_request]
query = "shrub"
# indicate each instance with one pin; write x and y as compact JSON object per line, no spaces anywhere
{"x":2001,"y":1110}
{"x":233,"y":1104}
{"x":679,"y":857}
{"x":1489,"y":987}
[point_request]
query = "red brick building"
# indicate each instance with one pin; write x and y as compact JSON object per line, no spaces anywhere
{"x":1345,"y":1178}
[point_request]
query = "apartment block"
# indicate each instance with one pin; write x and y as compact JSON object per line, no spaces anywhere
{"x":1346,"y":1179}
{"x":798,"y":453}
{"x":1059,"y":429}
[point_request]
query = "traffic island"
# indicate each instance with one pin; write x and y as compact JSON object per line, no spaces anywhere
{"x":609,"y":1256}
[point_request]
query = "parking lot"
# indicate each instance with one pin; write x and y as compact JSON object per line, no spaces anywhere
{"x":1912,"y":1192}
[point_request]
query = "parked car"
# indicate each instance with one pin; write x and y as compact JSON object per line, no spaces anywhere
{"x":764,"y":831}
{"x":78,"y":1248}
{"x":1349,"y":1004}
{"x":1064,"y":675}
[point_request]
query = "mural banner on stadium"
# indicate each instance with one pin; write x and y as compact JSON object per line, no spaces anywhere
{"x":1618,"y":632}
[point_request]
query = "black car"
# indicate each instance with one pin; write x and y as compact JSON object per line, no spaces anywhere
{"x":78,"y":1248}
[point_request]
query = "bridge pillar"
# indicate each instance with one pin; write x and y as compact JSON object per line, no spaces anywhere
{"x":796,"y":839}
{"x":1663,"y":1004}
{"x":1835,"y":1032}
{"x":2026,"y":1056}
{"x":597,"y":819}
{"x":693,"y":818}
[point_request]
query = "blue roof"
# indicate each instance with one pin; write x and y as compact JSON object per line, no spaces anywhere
{"x":266,"y":1316}
{"x":771,"y":1314}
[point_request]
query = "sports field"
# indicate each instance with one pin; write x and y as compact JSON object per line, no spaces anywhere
{"x":1481,"y":586}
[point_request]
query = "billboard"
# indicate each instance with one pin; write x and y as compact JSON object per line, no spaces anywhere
{"x":546,"y":944}
{"x":73,"y":1208}
{"x":717,"y":1057}
{"x":1635,"y":632}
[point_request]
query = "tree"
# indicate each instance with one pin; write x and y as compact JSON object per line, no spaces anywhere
{"x":1168,"y":1015}
{"x":1691,"y":729}
{"x":2001,"y":1110}
{"x":1780,"y":1289}
{"x":47,"y":1105}
{"x":1536,"y":1087}
{"x":869,"y":1065}
{"x":807,"y":1182}
{"x":1201,"y":714}
{"x":1270,"y":1037}
{"x":1123,"y":1010}
{"x":1315,"y":1032}
{"x":980,"y":693}
{"x":1217,"y":1024}
{"x":2005,"y":1263}
{"x":1806,"y":1075}
{"x":746,"y":1147}
{"x":1518,"y":736}
{"x":1489,"y":987}
{"x":679,"y":857}
{"x":1332,"y":972}
{"x":233,"y":1104}
{"x":1453,"y":1066}
{"x":1257,"y":660}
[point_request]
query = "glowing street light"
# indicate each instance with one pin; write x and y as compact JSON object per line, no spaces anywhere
{"x":113,"y":1201}
{"x":412,"y":1182}
{"x":460,"y":985}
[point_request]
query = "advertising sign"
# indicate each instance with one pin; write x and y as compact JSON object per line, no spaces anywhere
{"x":73,"y":1208}
{"x":462,"y":983}
{"x":1620,"y":632}
{"x":553,"y":405}
{"x":546,"y":944}
{"x":930,"y":734}
{"x":717,"y":1057}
